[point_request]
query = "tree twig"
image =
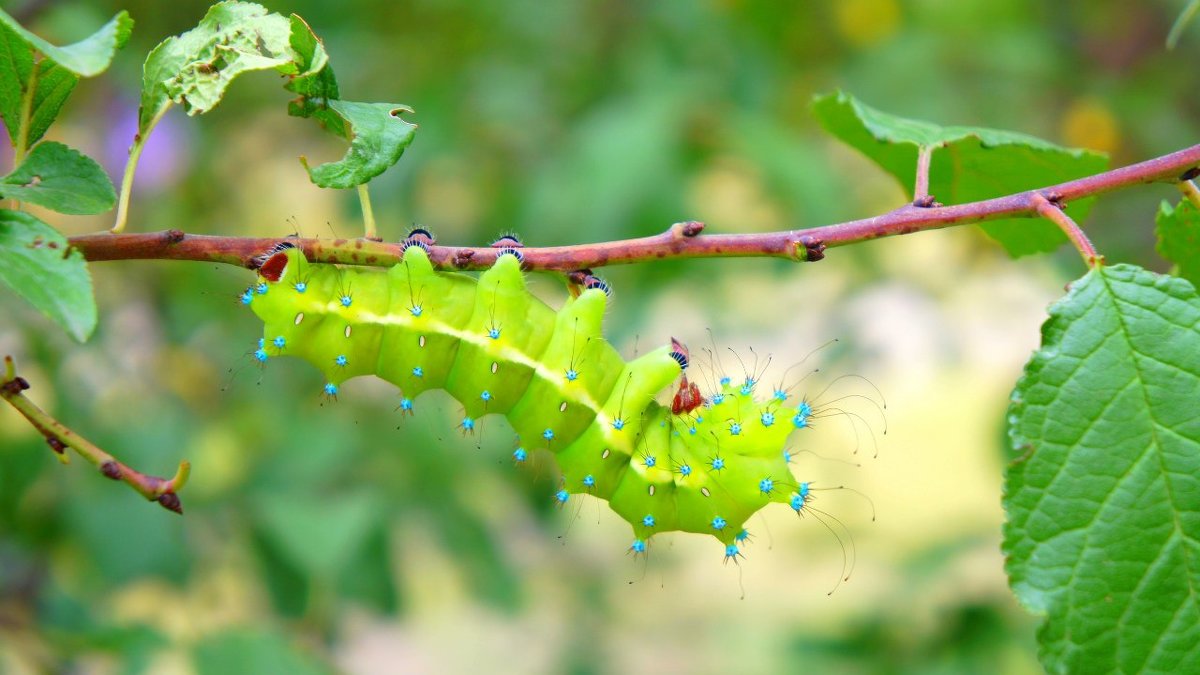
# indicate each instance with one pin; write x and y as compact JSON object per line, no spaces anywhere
{"x":682,"y":240}
{"x":59,"y":438}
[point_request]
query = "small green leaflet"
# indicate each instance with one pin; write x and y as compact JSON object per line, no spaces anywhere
{"x":1178,"y":230}
{"x":380,"y":137}
{"x":60,"y":178}
{"x":1103,"y":500}
{"x":967,"y":164}
{"x":50,"y":80}
{"x":36,"y":262}
{"x":314,"y":82}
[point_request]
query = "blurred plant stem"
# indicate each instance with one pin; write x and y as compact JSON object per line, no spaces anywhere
{"x":59,"y":438}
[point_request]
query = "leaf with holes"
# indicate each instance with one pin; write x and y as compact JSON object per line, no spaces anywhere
{"x":967,"y":164}
{"x":195,"y":68}
{"x":60,"y":178}
{"x":1103,"y":503}
{"x":379,"y":139}
{"x":35,"y":261}
{"x":1178,"y":229}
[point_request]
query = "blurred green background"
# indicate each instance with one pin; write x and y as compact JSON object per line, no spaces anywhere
{"x":341,"y":537}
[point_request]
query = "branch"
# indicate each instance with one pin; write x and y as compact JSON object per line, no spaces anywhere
{"x":682,"y":240}
{"x":59,"y":438}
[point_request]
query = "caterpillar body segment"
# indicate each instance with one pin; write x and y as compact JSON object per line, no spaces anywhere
{"x":496,"y":348}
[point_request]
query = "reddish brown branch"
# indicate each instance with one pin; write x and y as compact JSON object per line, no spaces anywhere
{"x":682,"y":240}
{"x":59,"y":438}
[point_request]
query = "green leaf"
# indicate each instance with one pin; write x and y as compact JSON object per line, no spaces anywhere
{"x":1103,"y":531}
{"x":318,"y":536}
{"x":967,"y":164}
{"x":380,"y":137}
{"x":37,"y":263}
{"x":60,"y":178}
{"x":88,"y":57}
{"x":195,"y":68}
{"x":314,"y":80}
{"x":52,"y":84}
{"x":1178,"y":231}
{"x":252,"y":650}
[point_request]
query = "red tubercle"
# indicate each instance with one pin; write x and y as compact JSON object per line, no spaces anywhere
{"x":272,"y":269}
{"x":687,"y":397}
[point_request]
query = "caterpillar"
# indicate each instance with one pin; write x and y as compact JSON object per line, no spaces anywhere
{"x":698,"y":465}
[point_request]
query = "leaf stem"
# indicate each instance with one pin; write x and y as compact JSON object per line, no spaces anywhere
{"x":364,"y":198}
{"x":1053,"y":211}
{"x":135,"y":154}
{"x":59,"y":438}
{"x":1189,"y":190}
{"x":682,"y":240}
{"x":921,"y":187}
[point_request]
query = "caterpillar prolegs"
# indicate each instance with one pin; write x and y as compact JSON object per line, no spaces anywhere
{"x":699,"y":465}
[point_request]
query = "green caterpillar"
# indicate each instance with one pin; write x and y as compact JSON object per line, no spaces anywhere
{"x":699,"y":466}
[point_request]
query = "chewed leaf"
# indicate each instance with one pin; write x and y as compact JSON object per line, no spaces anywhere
{"x":1178,"y":230}
{"x":36,"y":262}
{"x":88,"y":57}
{"x":1103,"y":503}
{"x":60,"y":178}
{"x":967,"y":164}
{"x":380,"y":136}
{"x":195,"y":68}
{"x":314,"y":80}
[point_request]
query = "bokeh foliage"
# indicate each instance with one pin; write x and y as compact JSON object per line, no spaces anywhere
{"x":323,"y":537}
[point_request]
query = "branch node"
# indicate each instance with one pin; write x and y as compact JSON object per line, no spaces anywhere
{"x":1190,"y":174}
{"x":926,"y":202}
{"x":691,"y":228}
{"x":56,"y":445}
{"x":111,"y":469}
{"x":462,"y":257}
{"x":170,"y":501}
{"x":174,"y":236}
{"x":813,"y":250}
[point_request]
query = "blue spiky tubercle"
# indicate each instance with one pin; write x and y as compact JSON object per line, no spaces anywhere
{"x":498,"y":349}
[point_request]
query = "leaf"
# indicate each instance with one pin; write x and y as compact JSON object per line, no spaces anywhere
{"x":37,"y":263}
{"x":314,"y":80}
{"x":967,"y":164}
{"x":318,"y":537}
{"x":1103,"y":530}
{"x":195,"y":68}
{"x":380,"y":137}
{"x":1178,"y":230}
{"x":52,"y":84}
{"x":88,"y":57}
{"x":60,"y":178}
